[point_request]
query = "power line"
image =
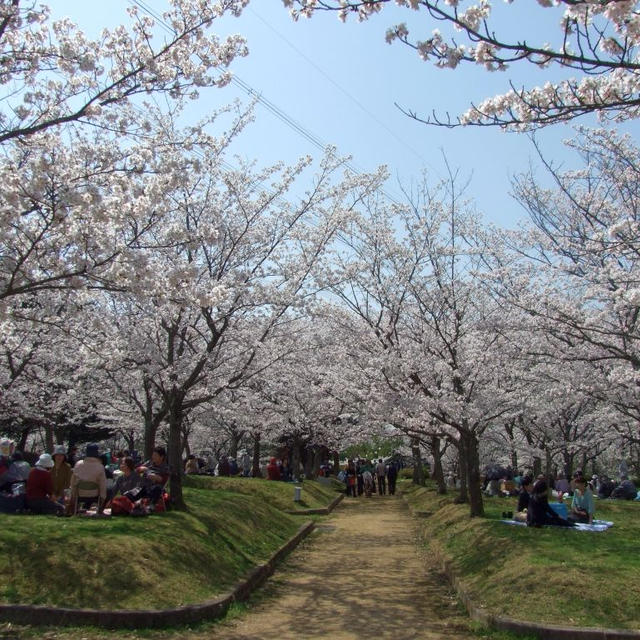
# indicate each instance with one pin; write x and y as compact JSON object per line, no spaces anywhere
{"x":339,"y":87}
{"x":270,"y":106}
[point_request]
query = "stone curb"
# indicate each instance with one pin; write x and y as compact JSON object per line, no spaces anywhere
{"x":502,"y":623}
{"x":325,"y":511}
{"x":141,"y":618}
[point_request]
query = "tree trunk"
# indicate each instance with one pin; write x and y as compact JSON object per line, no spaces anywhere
{"x":151,"y":426}
{"x":22,"y":443}
{"x":537,"y":466}
{"x":130,"y":439}
{"x":296,"y":455}
{"x":175,"y":401}
{"x":255,"y":467}
{"x":463,"y":495}
{"x":473,"y":474}
{"x":319,"y":454}
{"x":233,"y":444}
{"x":514,"y":460}
{"x":48,"y":437}
{"x":309,"y":455}
{"x":567,"y":466}
{"x":418,"y":469}
{"x":438,"y":473}
{"x":59,"y":434}
{"x":336,"y":462}
{"x":548,"y":462}
{"x":186,"y":449}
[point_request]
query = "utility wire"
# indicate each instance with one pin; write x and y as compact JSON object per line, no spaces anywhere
{"x":270,"y":106}
{"x":342,"y":90}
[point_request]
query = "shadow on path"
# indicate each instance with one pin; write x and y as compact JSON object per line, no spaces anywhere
{"x":360,"y":575}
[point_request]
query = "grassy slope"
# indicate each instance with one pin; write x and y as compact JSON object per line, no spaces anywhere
{"x":279,"y":494}
{"x":546,"y":575}
{"x":160,"y":561}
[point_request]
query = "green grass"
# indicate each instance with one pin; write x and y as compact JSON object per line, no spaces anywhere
{"x":160,"y":561}
{"x":278,"y":494}
{"x":552,"y":575}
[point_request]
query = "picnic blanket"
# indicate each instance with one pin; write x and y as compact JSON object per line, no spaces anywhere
{"x":598,"y":525}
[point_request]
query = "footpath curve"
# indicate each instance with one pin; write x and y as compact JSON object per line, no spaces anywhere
{"x":359,"y":575}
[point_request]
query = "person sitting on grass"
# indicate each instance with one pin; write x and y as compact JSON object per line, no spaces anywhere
{"x":605,"y":487}
{"x":582,"y":505}
{"x":191,"y":466}
{"x":539,"y":513}
{"x":626,"y":490}
{"x":89,"y":469}
{"x":40,"y":498}
{"x":524,"y":496}
{"x":18,"y":470}
{"x":60,"y":473}
{"x":129,"y":480}
{"x":155,"y":473}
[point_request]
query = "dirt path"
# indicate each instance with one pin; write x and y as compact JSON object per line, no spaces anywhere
{"x":359,"y":576}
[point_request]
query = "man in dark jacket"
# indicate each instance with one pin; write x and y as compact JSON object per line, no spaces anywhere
{"x":392,"y":476}
{"x":539,"y":512}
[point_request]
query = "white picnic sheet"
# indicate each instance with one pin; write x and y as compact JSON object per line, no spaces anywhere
{"x":598,"y":525}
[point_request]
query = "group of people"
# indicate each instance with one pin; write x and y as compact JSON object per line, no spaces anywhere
{"x":54,"y":486}
{"x":225,"y":466}
{"x":535,"y":509}
{"x":279,"y":469}
{"x":508,"y":484}
{"x":368,"y":477}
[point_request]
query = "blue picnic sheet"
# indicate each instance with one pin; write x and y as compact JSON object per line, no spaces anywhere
{"x":598,"y":525}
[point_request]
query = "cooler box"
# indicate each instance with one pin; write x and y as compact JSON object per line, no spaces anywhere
{"x":560,"y":508}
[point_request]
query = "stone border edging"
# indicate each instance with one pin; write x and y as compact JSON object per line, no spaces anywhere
{"x":325,"y":511}
{"x":141,"y":618}
{"x":502,"y":623}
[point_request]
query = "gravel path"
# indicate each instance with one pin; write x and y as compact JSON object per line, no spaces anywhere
{"x":360,"y":575}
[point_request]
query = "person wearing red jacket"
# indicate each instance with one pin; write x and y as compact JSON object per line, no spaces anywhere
{"x":273,"y":471}
{"x":40,"y":487}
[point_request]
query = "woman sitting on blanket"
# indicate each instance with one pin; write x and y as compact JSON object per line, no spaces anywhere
{"x":582,"y":505}
{"x":524,"y":496}
{"x":539,"y":512}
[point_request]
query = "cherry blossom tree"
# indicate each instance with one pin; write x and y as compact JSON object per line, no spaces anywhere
{"x":47,"y":391}
{"x":596,"y":40}
{"x":429,"y":334}
{"x":53,"y":74}
{"x":571,"y":278}
{"x":223,"y":277}
{"x":586,"y":242}
{"x":80,"y":186}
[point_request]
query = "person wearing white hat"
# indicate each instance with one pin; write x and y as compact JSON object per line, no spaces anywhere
{"x":61,"y":471}
{"x":40,"y":488}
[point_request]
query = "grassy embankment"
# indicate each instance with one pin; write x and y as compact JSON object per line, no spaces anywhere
{"x":549,"y":575}
{"x":164,"y":560}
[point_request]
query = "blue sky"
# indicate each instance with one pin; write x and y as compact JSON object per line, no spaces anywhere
{"x":340,"y":82}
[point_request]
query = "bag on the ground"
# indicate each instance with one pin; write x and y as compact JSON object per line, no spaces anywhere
{"x":121,"y":506}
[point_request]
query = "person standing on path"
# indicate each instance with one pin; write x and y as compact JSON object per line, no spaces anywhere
{"x":392,"y":475}
{"x":350,"y":478}
{"x":359,"y":478}
{"x":381,"y":472}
